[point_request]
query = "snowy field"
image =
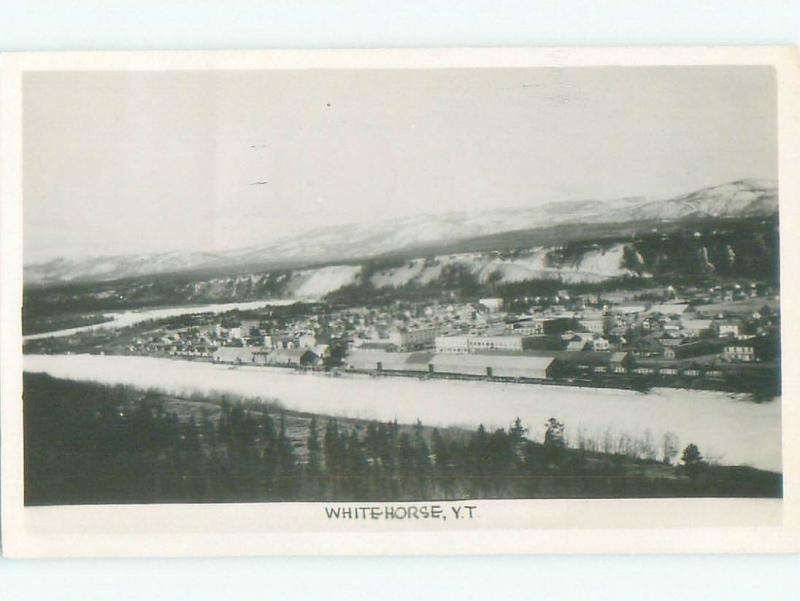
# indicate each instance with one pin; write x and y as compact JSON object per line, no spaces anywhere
{"x":122,"y":319}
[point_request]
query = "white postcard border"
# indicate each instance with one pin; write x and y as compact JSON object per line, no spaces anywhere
{"x":520,"y":526}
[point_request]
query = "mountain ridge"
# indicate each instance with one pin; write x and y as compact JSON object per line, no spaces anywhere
{"x":741,"y":198}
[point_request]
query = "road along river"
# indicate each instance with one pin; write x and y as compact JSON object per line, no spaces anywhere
{"x":730,"y":429}
{"x":122,"y":319}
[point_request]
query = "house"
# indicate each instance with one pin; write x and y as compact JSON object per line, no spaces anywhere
{"x":647,"y":346}
{"x":695,"y":328}
{"x":234,"y":354}
{"x":688,"y":350}
{"x":757,"y":348}
{"x":723,"y":329}
{"x":740,"y":351}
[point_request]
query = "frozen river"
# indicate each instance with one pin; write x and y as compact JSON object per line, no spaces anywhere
{"x":122,"y":319}
{"x":728,"y":428}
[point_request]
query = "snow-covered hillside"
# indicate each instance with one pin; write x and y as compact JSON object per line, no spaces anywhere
{"x":747,"y":198}
{"x":744,"y":198}
{"x":536,"y":263}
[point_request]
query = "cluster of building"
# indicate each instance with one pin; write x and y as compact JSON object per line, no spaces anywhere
{"x":665,"y":332}
{"x":590,"y":335}
{"x":221,"y":342}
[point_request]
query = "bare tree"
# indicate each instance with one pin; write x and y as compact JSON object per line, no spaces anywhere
{"x":669,"y":447}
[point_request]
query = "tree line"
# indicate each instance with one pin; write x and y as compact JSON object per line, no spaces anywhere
{"x":92,"y":443}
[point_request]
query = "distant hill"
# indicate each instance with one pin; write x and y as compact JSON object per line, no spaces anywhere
{"x":505,"y":264}
{"x":431,"y":234}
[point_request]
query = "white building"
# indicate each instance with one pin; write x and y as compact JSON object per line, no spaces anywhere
{"x":493,"y":304}
{"x":473,"y":344}
{"x":695,"y":327}
{"x":412,"y":338}
{"x":593,"y":325}
{"x":495,"y":343}
{"x":724,"y":329}
{"x":741,"y":351}
{"x":452,"y":344}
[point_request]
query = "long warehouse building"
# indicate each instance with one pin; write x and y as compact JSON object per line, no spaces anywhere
{"x":499,"y":366}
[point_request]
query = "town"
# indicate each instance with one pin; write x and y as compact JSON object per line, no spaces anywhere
{"x":718,"y":337}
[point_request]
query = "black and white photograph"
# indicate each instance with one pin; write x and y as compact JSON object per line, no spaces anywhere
{"x":396,"y":293}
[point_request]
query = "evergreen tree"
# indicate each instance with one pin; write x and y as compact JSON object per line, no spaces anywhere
{"x":406,"y":454}
{"x":691,"y":455}
{"x":440,"y":451}
{"x":477,"y":451}
{"x":421,"y":448}
{"x":517,"y":432}
{"x":333,"y":447}
{"x":500,"y":453}
{"x":313,"y":446}
{"x":286,"y":462}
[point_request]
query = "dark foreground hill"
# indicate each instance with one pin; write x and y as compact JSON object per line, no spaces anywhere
{"x":90,"y":443}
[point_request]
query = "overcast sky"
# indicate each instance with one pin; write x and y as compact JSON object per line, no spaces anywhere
{"x":119,"y":163}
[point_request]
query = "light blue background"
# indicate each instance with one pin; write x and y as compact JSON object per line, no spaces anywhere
{"x":144,"y":24}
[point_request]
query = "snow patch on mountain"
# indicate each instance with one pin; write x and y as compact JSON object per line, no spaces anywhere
{"x":316,"y":283}
{"x":398,"y":276}
{"x":593,"y":265}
